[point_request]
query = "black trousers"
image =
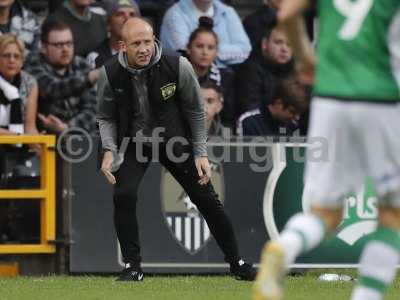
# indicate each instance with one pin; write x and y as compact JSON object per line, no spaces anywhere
{"x":204,"y":197}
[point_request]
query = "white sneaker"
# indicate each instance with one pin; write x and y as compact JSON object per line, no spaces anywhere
{"x":269,"y":280}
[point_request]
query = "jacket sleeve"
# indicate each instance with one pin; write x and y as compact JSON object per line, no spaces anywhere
{"x":247,"y":126}
{"x":192,"y":106}
{"x":106,"y":113}
{"x":239,"y":47}
{"x":175,"y":31}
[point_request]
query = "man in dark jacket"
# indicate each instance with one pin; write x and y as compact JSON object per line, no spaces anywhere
{"x":142,"y":92}
{"x":277,"y":116}
{"x":264,"y":18}
{"x":257,"y":76}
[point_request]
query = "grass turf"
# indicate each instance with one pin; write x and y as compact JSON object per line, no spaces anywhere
{"x":168,"y":288}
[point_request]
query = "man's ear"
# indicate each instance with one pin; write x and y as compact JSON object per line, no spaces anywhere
{"x":277,"y":105}
{"x":278,"y":102}
{"x":264,"y":44}
{"x":122,"y":45}
{"x":42,"y":48}
{"x":219,"y":105}
{"x":108,"y":25}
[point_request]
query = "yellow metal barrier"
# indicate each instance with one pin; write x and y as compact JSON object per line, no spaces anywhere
{"x":46,"y":195}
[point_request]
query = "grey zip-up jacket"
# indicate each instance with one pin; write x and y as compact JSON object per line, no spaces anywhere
{"x":189,"y":89}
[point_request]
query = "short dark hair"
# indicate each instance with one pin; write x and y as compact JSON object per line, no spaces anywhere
{"x":210,"y":84}
{"x":267,"y":32}
{"x":271,"y":25}
{"x":291,"y":93}
{"x":52,"y":24}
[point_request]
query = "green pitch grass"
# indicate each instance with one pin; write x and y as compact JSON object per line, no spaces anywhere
{"x":169,"y":288}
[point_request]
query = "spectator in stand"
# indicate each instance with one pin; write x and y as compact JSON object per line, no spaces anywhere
{"x":202,"y":51}
{"x":18,"y":105}
{"x":16,"y":19}
{"x":88,"y":28}
{"x":260,"y":73}
{"x":182,"y":19}
{"x":67,"y":97}
{"x":118,"y":12}
{"x":213,"y":104}
{"x":277,"y":116}
{"x":18,"y":89}
{"x":265,"y":18}
{"x":261,"y":20}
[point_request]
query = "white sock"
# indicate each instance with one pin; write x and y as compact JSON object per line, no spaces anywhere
{"x":378,"y":269}
{"x":302,"y":233}
{"x":364,"y":293}
{"x":292,"y":243}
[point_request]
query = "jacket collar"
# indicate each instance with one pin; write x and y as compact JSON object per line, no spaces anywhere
{"x":277,"y":69}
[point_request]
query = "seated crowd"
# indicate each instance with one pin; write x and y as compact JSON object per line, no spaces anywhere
{"x":57,"y":61}
{"x":49,"y":68}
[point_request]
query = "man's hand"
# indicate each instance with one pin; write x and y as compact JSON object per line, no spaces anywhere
{"x":93,"y":76}
{"x":203,"y":169}
{"x":288,"y":9}
{"x":306,"y":69}
{"x":35,"y":148}
{"x":53,"y":123}
{"x":106,"y":167}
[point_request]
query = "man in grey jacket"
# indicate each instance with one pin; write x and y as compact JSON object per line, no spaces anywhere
{"x":141,"y":93}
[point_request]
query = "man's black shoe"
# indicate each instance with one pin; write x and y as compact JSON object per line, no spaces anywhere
{"x":243,"y":271}
{"x":131,"y":274}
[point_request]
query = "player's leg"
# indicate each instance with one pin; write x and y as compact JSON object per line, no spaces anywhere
{"x":207,"y":202}
{"x":128,"y":178}
{"x":327,"y":181}
{"x":302,"y":233}
{"x":381,"y":254}
{"x":380,"y":257}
